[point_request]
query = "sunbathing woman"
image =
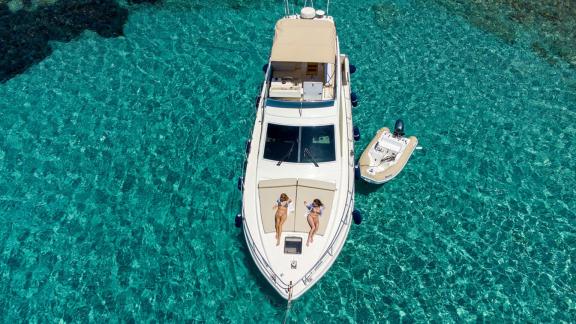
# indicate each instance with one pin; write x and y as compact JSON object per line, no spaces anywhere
{"x":315,"y":210}
{"x":281,"y":207}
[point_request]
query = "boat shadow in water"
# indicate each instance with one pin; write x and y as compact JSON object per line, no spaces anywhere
{"x":25,"y":34}
{"x":254,"y":274}
{"x":365,"y":188}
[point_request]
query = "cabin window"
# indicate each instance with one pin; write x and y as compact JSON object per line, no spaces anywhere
{"x":307,"y":144}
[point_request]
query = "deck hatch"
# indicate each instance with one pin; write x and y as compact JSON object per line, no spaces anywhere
{"x":293,"y":245}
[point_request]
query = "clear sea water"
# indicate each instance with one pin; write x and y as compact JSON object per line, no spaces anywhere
{"x":119,"y":159}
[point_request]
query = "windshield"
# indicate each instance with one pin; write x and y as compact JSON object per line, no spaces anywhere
{"x":281,"y":143}
{"x":307,"y":144}
{"x":317,"y":144}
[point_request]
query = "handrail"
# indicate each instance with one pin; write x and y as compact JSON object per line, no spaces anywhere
{"x":262,"y":260}
{"x":250,"y":241}
{"x":349,"y":199}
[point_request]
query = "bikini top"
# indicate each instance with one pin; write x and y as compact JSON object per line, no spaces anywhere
{"x":282,"y":203}
{"x":311,"y":207}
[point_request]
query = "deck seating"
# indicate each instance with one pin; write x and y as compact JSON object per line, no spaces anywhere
{"x":269,"y":191}
{"x":308,"y":190}
{"x":299,"y":190}
{"x":302,"y":81}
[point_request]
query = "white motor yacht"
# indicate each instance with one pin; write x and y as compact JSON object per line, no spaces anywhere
{"x":302,"y":145}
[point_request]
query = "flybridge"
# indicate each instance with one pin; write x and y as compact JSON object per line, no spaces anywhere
{"x":301,"y":84}
{"x":302,"y":71}
{"x":304,"y":40}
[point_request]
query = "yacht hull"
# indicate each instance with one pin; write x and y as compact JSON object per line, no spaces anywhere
{"x":291,"y":275}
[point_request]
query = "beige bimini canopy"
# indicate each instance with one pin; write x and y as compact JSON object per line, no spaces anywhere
{"x":304,"y":40}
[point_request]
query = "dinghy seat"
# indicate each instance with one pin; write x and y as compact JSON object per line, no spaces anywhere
{"x":385,"y":150}
{"x":389,"y":144}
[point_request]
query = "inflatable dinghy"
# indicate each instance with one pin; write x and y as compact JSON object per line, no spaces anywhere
{"x":386,"y":155}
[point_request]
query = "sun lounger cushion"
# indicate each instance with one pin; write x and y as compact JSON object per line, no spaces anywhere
{"x":269,"y":191}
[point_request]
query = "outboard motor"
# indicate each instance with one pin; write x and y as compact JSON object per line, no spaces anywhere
{"x":399,"y":128}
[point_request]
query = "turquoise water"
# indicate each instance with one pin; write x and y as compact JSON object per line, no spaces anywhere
{"x":119,"y":159}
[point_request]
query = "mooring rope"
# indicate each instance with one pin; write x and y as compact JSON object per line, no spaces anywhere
{"x":289,"y":304}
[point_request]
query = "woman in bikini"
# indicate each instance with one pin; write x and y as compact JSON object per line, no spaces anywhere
{"x":315,"y":210}
{"x":281,"y":207}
